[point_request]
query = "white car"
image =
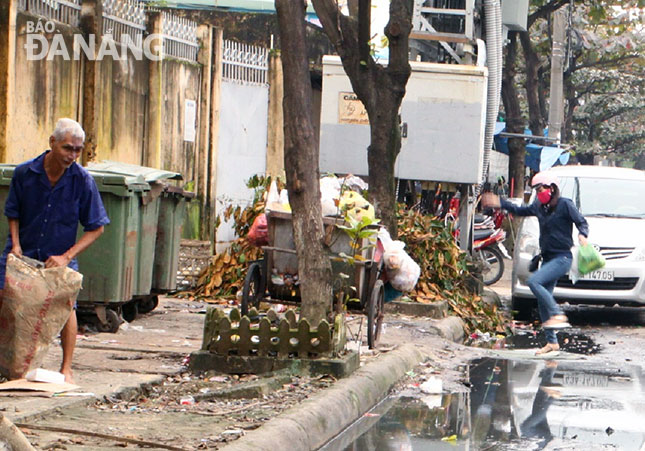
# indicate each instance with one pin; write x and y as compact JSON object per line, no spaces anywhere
{"x":612,"y":200}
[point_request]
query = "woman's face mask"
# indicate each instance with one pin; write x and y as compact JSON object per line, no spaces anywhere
{"x":544,"y":196}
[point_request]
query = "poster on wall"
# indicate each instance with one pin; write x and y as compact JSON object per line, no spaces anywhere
{"x":190,"y":116}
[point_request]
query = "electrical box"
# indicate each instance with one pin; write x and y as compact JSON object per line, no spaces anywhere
{"x":514,"y":14}
{"x":443,"y":115}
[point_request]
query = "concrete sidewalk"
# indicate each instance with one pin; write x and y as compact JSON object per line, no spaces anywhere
{"x":152,"y":350}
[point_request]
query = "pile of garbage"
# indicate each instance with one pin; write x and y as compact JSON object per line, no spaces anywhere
{"x":445,"y":271}
{"x":425,"y":262}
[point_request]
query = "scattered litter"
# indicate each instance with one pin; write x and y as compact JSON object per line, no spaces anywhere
{"x":434,"y":385}
{"x":187,"y":401}
{"x":451,"y":438}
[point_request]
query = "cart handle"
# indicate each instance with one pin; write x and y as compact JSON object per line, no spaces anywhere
{"x":332,"y":257}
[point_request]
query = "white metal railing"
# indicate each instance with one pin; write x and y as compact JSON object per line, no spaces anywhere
{"x":124,"y":17}
{"x":244,"y":63}
{"x":63,"y":11}
{"x":179,"y":37}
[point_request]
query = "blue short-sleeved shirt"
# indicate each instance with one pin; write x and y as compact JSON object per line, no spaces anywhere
{"x":49,"y":216}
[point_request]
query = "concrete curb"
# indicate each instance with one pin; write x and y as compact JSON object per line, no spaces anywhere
{"x":435,"y":310}
{"x":450,"y":328}
{"x":317,"y":420}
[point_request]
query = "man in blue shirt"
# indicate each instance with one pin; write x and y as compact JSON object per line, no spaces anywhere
{"x":48,"y":197}
{"x":556,"y":216}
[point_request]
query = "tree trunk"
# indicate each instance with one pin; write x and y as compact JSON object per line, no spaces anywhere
{"x":301,"y":165}
{"x":532,"y":62}
{"x":514,"y":120}
{"x":380,"y":88}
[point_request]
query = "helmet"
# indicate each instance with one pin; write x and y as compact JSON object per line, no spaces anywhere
{"x":545,"y":178}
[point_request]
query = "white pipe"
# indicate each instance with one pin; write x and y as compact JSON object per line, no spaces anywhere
{"x":493,"y":14}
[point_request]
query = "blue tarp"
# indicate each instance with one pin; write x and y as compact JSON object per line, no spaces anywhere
{"x":538,"y":157}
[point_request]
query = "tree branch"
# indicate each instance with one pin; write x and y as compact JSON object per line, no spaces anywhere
{"x":544,"y":11}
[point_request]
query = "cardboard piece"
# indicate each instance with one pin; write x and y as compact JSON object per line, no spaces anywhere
{"x":23,"y":385}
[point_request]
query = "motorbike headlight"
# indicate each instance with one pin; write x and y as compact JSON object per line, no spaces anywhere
{"x":529,"y":244}
{"x":639,"y":254}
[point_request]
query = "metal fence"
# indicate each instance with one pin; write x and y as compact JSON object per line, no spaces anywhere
{"x":63,"y":11}
{"x":124,"y":17}
{"x":179,"y":37}
{"x":243,"y":63}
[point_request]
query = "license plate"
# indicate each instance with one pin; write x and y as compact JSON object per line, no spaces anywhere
{"x":600,"y":274}
{"x":585,"y":380}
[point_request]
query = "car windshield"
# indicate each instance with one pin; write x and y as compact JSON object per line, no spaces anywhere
{"x":605,"y":197}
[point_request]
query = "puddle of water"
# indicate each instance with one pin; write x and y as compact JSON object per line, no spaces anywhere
{"x":513,"y":405}
{"x":525,"y":339}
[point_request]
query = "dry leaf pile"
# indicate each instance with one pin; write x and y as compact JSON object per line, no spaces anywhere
{"x":445,"y":271}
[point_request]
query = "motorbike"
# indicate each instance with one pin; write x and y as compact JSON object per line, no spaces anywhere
{"x":488,"y":248}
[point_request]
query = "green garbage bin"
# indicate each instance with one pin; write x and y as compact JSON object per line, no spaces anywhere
{"x":6,"y":172}
{"x":109,"y":266}
{"x":172,"y":212}
{"x":148,"y":221}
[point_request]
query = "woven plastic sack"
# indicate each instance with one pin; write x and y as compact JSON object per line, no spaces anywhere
{"x":589,"y":259}
{"x":36,"y":304}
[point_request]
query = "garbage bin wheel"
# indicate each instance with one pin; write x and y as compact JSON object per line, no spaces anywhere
{"x":112,"y":322}
{"x":375,"y":313}
{"x":253,"y":288}
{"x":148,"y":304}
{"x":129,"y":310}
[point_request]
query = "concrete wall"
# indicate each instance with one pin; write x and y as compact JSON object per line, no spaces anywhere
{"x":181,"y":82}
{"x":42,"y":92}
{"x":123,"y":90}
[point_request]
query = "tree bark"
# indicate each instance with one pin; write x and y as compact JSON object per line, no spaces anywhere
{"x":380,"y":88}
{"x":514,"y":120}
{"x":532,"y":66}
{"x":301,"y":165}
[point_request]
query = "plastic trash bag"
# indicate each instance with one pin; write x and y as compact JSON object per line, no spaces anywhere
{"x":36,"y":305}
{"x":259,"y":233}
{"x":589,"y":259}
{"x":356,"y":206}
{"x":402,"y":271}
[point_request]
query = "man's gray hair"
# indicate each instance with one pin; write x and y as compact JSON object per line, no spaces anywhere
{"x":65,"y":126}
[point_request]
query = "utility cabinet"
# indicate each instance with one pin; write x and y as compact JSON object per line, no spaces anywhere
{"x":442,"y":120}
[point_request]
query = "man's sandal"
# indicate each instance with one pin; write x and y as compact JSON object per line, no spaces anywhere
{"x":557,"y":322}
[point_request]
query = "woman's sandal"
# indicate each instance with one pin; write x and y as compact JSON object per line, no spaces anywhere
{"x":550,"y":347}
{"x":557,"y":322}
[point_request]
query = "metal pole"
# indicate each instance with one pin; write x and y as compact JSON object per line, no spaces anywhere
{"x":556,"y":99}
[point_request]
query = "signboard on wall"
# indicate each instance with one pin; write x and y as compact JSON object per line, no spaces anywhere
{"x":351,"y":110}
{"x":190,"y":118}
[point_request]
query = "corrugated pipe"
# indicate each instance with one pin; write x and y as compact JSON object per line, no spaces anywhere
{"x":493,"y":13}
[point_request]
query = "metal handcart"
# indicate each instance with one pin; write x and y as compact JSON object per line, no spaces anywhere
{"x":274,"y":278}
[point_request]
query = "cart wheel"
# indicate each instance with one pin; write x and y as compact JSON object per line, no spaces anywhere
{"x":130,"y":310}
{"x":112,"y":324}
{"x":253,"y":288}
{"x":148,"y":304}
{"x":375,"y":313}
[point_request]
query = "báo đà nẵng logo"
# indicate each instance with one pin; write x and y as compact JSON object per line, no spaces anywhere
{"x":44,"y":42}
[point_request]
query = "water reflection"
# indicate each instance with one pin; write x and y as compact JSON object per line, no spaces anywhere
{"x":513,"y":405}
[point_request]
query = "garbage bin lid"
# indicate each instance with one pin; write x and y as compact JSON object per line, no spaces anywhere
{"x":6,"y":173}
{"x":150,"y":175}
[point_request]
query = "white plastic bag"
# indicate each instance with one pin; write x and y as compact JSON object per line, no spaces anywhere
{"x":329,"y":195}
{"x":574,"y":274}
{"x":402,"y":271}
